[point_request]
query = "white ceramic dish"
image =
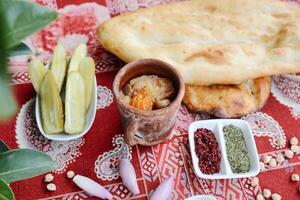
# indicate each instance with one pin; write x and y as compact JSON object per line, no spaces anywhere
{"x":90,"y":117}
{"x":216,"y":126}
{"x":201,"y":197}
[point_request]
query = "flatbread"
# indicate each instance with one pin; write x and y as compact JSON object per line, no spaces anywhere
{"x":228,"y":101}
{"x":211,"y":42}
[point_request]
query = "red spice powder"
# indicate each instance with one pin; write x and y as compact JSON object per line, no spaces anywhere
{"x":206,"y":147}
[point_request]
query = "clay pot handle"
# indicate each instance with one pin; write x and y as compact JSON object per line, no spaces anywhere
{"x":131,"y":130}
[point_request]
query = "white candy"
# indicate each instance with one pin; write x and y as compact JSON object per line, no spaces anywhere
{"x":51,"y":187}
{"x":267,"y":159}
{"x":267,"y":193}
{"x":164,"y":190}
{"x":70,"y":174}
{"x":294,"y":148}
{"x":92,"y":187}
{"x":254,"y":182}
{"x":48,"y":178}
{"x":289,"y":153}
{"x":262,"y":166}
{"x":276,"y":196}
{"x":279,"y":158}
{"x":295,"y":177}
{"x":273,"y":162}
{"x":128,"y":176}
{"x":294,"y":141}
{"x":260,"y":197}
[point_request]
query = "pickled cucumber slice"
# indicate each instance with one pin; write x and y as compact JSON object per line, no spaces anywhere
{"x":87,"y":71}
{"x":37,"y":72}
{"x":59,"y":65}
{"x":51,"y":105}
{"x":75,"y":105}
{"x":79,"y":53}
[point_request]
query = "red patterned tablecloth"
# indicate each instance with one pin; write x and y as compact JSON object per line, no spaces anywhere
{"x":96,"y":155}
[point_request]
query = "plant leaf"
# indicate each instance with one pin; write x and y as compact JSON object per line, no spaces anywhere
{"x":18,"y":19}
{"x":5,"y":191}
{"x":21,"y":164}
{"x":21,"y":49}
{"x":8,"y":105}
{"x":23,"y":19}
{"x":3,"y":146}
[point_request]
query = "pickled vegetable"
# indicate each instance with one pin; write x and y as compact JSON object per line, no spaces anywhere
{"x":142,"y":100}
{"x":124,"y":97}
{"x":87,"y":71}
{"x":75,"y":105}
{"x":37,"y":72}
{"x":148,"y":92}
{"x":59,"y":65}
{"x":160,"y":88}
{"x":51,"y":105}
{"x":79,"y":53}
{"x":162,"y":104}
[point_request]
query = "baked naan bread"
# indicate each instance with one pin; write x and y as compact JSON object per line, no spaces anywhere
{"x":211,"y":41}
{"x":228,"y":101}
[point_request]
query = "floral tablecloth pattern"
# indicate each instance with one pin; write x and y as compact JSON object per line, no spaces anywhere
{"x":96,"y":155}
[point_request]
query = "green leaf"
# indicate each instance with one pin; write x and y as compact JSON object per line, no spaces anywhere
{"x":21,"y":49}
{"x":3,"y":147}
{"x":8,"y":105}
{"x":23,"y":19}
{"x":21,"y":164}
{"x":18,"y":19}
{"x":5,"y":191}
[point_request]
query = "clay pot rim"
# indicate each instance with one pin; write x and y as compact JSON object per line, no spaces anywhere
{"x":141,"y":62}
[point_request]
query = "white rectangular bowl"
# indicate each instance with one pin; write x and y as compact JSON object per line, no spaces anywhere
{"x":90,"y":117}
{"x":216,"y":126}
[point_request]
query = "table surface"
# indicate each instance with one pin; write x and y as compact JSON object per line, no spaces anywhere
{"x":96,"y":155}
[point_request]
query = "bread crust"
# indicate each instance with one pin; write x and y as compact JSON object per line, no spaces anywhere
{"x":211,"y":42}
{"x":228,"y":101}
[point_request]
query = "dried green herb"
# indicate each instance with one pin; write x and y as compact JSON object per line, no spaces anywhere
{"x":236,"y":148}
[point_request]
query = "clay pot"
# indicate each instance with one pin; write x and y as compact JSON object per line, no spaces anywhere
{"x":147,"y":127}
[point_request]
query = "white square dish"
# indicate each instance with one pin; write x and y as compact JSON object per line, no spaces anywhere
{"x":201,"y":197}
{"x":216,"y":126}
